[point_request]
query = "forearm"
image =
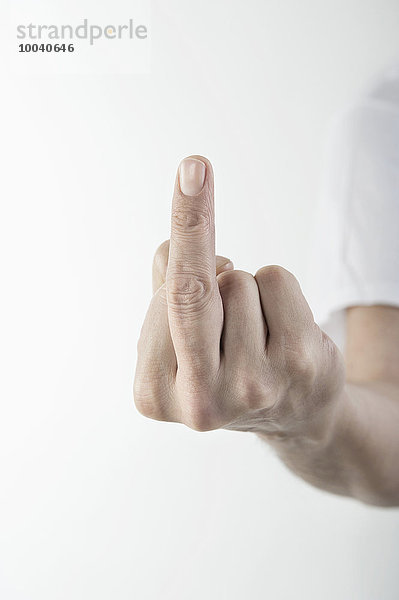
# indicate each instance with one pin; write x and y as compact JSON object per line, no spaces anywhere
{"x":358,"y":453}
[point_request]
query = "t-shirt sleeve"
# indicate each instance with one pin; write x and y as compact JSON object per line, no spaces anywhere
{"x":355,"y":254}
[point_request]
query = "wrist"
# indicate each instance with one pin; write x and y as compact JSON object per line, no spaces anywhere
{"x":318,"y":428}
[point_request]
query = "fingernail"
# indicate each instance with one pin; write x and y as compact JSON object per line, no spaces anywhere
{"x":227,"y":266}
{"x":192,"y":176}
{"x":223,"y":264}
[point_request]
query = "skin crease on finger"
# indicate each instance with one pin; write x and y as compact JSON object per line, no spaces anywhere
{"x":221,"y":348}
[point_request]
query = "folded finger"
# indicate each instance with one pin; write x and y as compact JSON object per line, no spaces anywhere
{"x":160,"y":265}
{"x":156,"y":364}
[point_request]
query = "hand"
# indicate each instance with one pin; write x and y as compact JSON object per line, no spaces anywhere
{"x":220,"y":348}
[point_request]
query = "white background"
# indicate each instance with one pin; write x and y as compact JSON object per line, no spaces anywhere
{"x":96,"y":501}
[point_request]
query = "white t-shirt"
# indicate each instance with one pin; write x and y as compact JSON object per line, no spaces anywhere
{"x":356,"y":254}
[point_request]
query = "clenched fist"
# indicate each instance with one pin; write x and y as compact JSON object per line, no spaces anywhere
{"x":221,"y":348}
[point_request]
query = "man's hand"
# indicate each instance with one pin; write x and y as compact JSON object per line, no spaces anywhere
{"x":220,"y":348}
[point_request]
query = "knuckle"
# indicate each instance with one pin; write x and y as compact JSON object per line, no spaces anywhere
{"x":144,"y":401}
{"x":198,"y":415}
{"x":190,"y":220}
{"x":240,"y":280}
{"x":189,"y":292}
{"x":275,"y":275}
{"x":305,"y":368}
{"x":250,"y":390}
{"x":300,"y":359}
{"x":160,"y":297}
{"x":221,"y":263}
{"x":329,"y":347}
{"x":149,"y":396}
{"x":161,"y":255}
{"x":200,"y":423}
{"x":333,"y":359}
{"x":198,"y":403}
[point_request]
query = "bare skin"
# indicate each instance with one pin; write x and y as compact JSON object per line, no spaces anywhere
{"x":221,"y":348}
